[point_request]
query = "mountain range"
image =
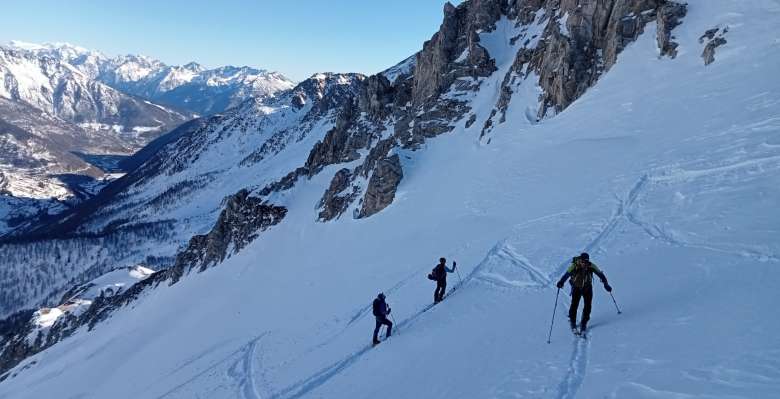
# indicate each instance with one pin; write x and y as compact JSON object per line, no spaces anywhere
{"x":69,"y":115}
{"x":190,"y":87}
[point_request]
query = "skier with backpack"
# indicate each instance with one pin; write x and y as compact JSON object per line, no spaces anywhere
{"x":381,"y":311}
{"x":581,"y":273}
{"x":439,"y":274}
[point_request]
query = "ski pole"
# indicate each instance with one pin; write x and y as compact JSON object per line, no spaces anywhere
{"x":615,"y":302}
{"x":459,"y":279}
{"x":394,"y":324}
{"x":553,"y":316}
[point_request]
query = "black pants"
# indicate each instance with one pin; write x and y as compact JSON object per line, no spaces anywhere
{"x":382,"y":320}
{"x":441,"y":288}
{"x":577,"y":293}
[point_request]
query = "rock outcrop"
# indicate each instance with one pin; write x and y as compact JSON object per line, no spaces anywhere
{"x":243,"y":218}
{"x":670,"y":15}
{"x":385,"y":178}
{"x":565,"y":44}
{"x":714,"y":39}
{"x":337,"y":198}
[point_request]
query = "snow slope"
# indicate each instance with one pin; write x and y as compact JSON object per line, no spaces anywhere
{"x":666,"y":171}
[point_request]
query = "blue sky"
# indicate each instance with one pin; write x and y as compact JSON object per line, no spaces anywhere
{"x":297,"y":38}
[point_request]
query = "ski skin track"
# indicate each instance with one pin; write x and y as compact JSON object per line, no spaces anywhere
{"x":578,"y":363}
{"x":567,"y":388}
{"x":248,"y":351}
{"x":309,"y":384}
{"x":579,"y":359}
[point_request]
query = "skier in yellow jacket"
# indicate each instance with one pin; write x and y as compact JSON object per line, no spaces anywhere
{"x":581,"y":273}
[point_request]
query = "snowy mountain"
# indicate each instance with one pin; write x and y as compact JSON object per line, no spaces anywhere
{"x":193,"y":87}
{"x":642,"y":131}
{"x":190,"y":87}
{"x":58,"y":88}
{"x":106,"y":106}
{"x":49,"y":111}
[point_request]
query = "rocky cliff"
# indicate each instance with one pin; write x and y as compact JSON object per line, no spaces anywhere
{"x":561,"y":46}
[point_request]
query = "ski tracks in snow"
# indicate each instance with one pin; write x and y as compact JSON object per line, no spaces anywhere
{"x":243,"y":370}
{"x":578,"y":365}
{"x":319,"y":378}
{"x":625,"y":210}
{"x":505,"y":254}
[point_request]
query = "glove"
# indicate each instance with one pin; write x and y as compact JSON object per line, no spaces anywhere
{"x":607,"y":287}
{"x":454,"y":264}
{"x":388,"y":310}
{"x":560,"y":284}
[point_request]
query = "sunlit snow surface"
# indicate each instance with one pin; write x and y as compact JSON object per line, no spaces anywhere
{"x":667,"y":172}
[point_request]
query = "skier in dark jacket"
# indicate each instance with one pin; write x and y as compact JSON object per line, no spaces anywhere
{"x":581,"y":273}
{"x":381,"y":310}
{"x":439,"y":274}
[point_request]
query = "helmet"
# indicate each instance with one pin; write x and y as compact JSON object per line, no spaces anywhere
{"x":442,"y":260}
{"x":381,"y":295}
{"x":584,"y":256}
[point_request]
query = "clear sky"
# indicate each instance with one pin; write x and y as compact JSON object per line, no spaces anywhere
{"x":295,"y":37}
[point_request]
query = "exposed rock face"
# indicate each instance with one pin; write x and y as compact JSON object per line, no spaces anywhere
{"x":335,"y":201}
{"x":435,"y":70}
{"x":385,"y":178}
{"x":714,"y":39}
{"x":567,"y":44}
{"x":339,"y":145}
{"x":376,"y":96}
{"x":243,"y":218}
{"x":670,"y":14}
{"x":598,"y":31}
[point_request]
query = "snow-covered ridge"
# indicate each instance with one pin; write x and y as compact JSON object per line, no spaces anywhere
{"x":35,"y":332}
{"x":81,"y":297}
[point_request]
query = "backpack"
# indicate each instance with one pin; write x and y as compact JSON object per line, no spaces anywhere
{"x":581,"y":275}
{"x":437,"y":273}
{"x":378,"y":308}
